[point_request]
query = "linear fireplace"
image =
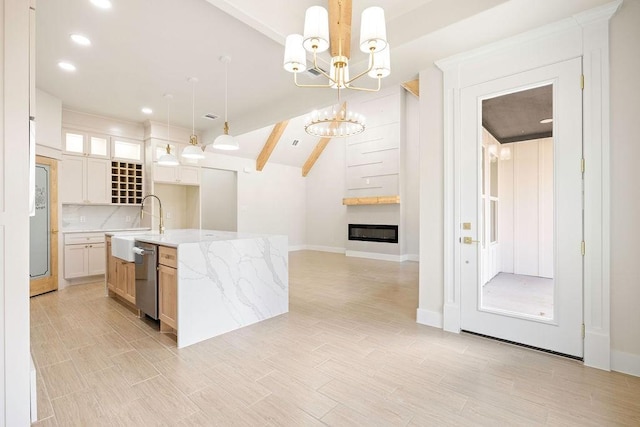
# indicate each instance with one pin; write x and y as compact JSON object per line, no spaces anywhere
{"x":373,"y":233}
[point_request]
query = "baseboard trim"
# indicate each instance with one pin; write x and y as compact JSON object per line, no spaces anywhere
{"x":627,"y":363}
{"x":374,"y":255}
{"x":412,"y":257}
{"x":429,"y":318}
{"x":597,"y":350}
{"x":297,"y":248}
{"x":318,"y":248}
{"x":33,"y":392}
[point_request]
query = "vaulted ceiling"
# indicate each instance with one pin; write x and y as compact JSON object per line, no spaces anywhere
{"x":142,"y":49}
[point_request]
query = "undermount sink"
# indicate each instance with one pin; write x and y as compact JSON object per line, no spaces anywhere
{"x":122,"y":247}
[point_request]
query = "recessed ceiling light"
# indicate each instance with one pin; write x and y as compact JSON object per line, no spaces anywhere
{"x":102,"y":4}
{"x":67,"y":66}
{"x":544,"y":121}
{"x":147,"y":110}
{"x":80,"y":39}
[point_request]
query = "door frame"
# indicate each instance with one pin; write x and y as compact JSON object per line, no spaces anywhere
{"x":584,"y":35}
{"x":53,"y":224}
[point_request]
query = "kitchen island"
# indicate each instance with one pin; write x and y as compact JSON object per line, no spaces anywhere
{"x":212,"y":282}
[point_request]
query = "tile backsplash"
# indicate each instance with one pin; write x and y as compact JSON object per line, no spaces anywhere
{"x":89,"y":217}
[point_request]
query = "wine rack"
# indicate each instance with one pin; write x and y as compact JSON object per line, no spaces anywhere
{"x":126,"y":183}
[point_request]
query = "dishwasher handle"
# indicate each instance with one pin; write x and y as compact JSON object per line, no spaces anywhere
{"x":142,"y":252}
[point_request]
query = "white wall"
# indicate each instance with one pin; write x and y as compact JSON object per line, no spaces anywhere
{"x":326,"y":219}
{"x":625,"y":188}
{"x":271,"y":201}
{"x":101,"y":124}
{"x":48,"y":125}
{"x":14,"y":213}
{"x":180,"y":204}
{"x":525,"y":209}
{"x":410,"y":177}
{"x":431,"y":274}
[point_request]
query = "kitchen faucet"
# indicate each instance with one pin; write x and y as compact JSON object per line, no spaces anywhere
{"x":161,"y":227}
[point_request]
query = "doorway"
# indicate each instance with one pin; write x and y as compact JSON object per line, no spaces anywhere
{"x":43,"y":227}
{"x":219,"y":199}
{"x":521,"y":212}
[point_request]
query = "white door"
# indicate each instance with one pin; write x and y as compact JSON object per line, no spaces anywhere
{"x":561,"y":329}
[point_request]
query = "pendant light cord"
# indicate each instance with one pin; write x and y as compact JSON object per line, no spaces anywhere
{"x":193,"y":108}
{"x":168,"y":115}
{"x":226,"y":90}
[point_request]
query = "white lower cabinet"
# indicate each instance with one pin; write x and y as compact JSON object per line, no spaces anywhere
{"x":84,"y":255}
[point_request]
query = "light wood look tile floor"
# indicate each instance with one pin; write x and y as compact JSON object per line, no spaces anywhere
{"x":348,"y":353}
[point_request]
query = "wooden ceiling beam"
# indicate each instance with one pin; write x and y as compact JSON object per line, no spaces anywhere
{"x":315,"y":154}
{"x":340,"y":27}
{"x":272,"y":141}
{"x":319,"y":148}
{"x":413,"y":87}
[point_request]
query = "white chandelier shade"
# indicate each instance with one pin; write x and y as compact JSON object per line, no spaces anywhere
{"x":373,"y":31}
{"x":316,"y":29}
{"x":295,"y":59}
{"x":316,"y":39}
{"x":381,"y":64}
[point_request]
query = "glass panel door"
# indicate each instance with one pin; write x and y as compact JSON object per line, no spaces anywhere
{"x":40,"y":227}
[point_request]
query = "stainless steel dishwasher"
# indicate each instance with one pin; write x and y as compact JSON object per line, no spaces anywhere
{"x":146,"y":259}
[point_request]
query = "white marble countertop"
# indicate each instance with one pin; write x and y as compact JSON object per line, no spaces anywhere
{"x":173,"y":238}
{"x":108,"y":230}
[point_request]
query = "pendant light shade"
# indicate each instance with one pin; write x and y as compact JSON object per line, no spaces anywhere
{"x":193,"y":151}
{"x":225,"y":141}
{"x":168,"y":159}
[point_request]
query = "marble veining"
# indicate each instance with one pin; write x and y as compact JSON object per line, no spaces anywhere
{"x":99,"y":217}
{"x":227,"y":284}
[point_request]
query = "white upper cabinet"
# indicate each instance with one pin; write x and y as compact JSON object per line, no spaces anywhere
{"x":84,"y":180}
{"x":183,"y":175}
{"x":84,"y":144}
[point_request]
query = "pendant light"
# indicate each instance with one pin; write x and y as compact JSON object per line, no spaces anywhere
{"x":225,"y":141}
{"x":193,"y":151}
{"x":168,"y":159}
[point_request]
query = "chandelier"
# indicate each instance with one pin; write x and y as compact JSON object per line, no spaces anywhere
{"x":337,"y":121}
{"x":334,"y":122}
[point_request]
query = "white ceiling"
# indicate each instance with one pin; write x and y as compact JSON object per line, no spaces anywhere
{"x":142,"y":49}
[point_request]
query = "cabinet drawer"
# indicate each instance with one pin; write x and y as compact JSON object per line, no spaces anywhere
{"x":81,"y":238}
{"x":168,"y":256}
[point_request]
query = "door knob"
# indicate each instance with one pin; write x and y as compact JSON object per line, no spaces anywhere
{"x":469,"y":240}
